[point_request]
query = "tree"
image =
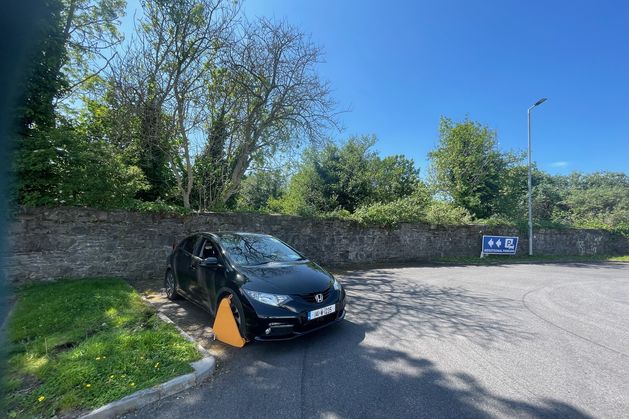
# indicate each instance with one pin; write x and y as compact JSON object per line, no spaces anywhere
{"x":468,"y":167}
{"x":258,"y":84}
{"x":62,"y":166}
{"x":599,"y":199}
{"x":212,"y":165}
{"x":347,"y":177}
{"x":90,"y":35}
{"x":272,"y":97}
{"x":164,"y":76}
{"x":134,"y":138}
{"x":70,"y":33}
{"x":43,"y":82}
{"x":345,"y":174}
{"x":259,"y":187}
{"x":73,"y":35}
{"x":392,"y":178}
{"x":548,"y":195}
{"x":141,"y":131}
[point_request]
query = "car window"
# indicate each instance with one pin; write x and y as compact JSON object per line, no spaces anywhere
{"x":208,"y":249}
{"x":188,"y":244}
{"x":256,"y":249}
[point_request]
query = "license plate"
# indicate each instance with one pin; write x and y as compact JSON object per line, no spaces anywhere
{"x":321,"y":312}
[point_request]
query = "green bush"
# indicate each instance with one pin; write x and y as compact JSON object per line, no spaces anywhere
{"x":440,"y":212}
{"x":403,"y":210}
{"x":158,"y":206}
{"x":60,"y":167}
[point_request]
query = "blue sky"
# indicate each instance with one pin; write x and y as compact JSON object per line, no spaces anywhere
{"x":400,"y":65}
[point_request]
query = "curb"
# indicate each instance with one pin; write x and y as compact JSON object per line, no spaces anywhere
{"x":203,"y":368}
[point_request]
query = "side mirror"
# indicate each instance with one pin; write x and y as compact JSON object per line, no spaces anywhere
{"x":210,"y":262}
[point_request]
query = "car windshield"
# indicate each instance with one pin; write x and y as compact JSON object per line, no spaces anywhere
{"x":254,"y":249}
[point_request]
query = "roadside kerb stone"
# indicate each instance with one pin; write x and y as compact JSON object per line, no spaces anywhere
{"x":203,"y":368}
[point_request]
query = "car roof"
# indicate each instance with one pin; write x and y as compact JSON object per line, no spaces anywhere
{"x":240,"y":233}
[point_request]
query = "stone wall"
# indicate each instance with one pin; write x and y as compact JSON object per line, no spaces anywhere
{"x":75,"y":242}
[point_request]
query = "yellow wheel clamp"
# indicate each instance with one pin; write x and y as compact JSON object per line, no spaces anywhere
{"x":225,"y":327}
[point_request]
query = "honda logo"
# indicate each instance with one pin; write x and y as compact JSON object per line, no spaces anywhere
{"x":319,"y":298}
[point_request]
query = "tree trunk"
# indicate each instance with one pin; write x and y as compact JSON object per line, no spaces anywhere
{"x":186,"y":198}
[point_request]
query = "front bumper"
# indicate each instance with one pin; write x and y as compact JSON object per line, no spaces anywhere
{"x":290,"y":321}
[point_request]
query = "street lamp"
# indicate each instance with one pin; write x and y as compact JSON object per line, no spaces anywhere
{"x":539,"y":102}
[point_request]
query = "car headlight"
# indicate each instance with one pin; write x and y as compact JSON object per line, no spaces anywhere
{"x":337,"y":285}
{"x":265,"y":298}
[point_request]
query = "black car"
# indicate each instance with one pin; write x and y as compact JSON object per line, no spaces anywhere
{"x":276,"y":292}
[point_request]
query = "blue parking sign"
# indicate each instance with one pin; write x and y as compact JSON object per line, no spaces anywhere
{"x":499,"y":245}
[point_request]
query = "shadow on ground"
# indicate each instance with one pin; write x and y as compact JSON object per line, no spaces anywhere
{"x":380,"y":300}
{"x":354,"y":369}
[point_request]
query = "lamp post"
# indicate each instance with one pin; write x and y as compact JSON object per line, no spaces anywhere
{"x":539,"y":102}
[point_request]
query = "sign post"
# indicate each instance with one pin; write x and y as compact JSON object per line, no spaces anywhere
{"x":499,"y":245}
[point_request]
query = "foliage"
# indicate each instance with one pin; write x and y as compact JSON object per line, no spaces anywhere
{"x":260,"y":187}
{"x":57,"y":162}
{"x":161,"y":80}
{"x":547,"y":198}
{"x":228,"y":92}
{"x":301,"y":197}
{"x":195,"y":107}
{"x":347,"y":177}
{"x":140,"y":140}
{"x":596,"y":199}
{"x":393,"y":177}
{"x":90,"y":34}
{"x":410,"y":209}
{"x":61,"y":167}
{"x":267,"y":98}
{"x":78,"y":344}
{"x":446,"y":213}
{"x":43,"y":83}
{"x":159,"y":207}
{"x":467,"y":166}
{"x":212,"y":166}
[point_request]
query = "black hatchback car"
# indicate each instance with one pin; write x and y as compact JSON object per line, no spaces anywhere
{"x":276,"y":292}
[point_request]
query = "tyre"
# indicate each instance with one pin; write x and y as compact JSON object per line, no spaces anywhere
{"x":170,"y":285}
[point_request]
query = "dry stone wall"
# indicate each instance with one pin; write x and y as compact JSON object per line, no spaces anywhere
{"x":77,"y":242}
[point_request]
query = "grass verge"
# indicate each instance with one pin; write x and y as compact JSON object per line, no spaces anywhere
{"x":79,"y":344}
{"x":503,"y":259}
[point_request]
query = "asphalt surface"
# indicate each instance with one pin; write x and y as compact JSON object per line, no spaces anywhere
{"x":511,"y":340}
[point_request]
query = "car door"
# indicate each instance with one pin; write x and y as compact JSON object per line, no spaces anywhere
{"x":195,"y":292}
{"x":210,"y":277}
{"x":183,"y":264}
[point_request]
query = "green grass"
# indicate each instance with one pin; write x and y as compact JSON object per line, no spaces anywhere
{"x":79,"y":344}
{"x":503,"y":259}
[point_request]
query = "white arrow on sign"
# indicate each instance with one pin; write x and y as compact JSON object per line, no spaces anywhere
{"x":499,"y":243}
{"x":491,"y":242}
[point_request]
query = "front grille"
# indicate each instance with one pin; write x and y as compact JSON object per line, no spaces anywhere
{"x":311,"y":297}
